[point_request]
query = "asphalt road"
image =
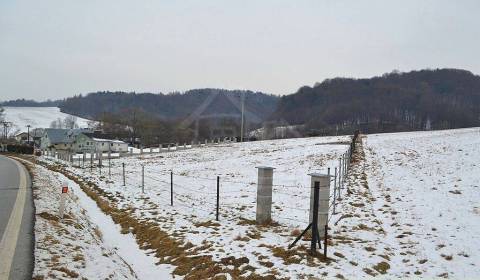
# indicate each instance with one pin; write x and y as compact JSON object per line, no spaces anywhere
{"x":16,"y":221}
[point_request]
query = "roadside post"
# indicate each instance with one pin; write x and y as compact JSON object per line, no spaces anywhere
{"x":63,"y":197}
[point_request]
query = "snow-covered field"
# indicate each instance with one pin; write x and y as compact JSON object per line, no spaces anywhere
{"x":411,"y":208}
{"x":194,"y":174}
{"x":426,"y":189}
{"x":37,"y":117}
{"x":72,"y":247}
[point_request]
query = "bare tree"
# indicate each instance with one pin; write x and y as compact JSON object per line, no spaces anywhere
{"x":70,"y":122}
{"x":56,"y":123}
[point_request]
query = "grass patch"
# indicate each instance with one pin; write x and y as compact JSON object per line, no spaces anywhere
{"x":48,"y":216}
{"x":382,"y":267}
{"x":447,"y":257}
{"x":68,"y":272}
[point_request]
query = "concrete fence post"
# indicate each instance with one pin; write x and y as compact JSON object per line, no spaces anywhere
{"x":141,"y":150}
{"x":131,"y":151}
{"x":323,"y":200}
{"x":264,"y":194}
{"x":100,"y":158}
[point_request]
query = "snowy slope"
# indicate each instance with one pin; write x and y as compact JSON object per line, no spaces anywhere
{"x":430,"y":182}
{"x":411,"y":208}
{"x":73,"y":247}
{"x":37,"y":117}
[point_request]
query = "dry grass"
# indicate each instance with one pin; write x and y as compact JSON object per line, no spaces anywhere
{"x":246,"y":222}
{"x":447,"y":257}
{"x":189,"y":261}
{"x":209,"y":224}
{"x":240,"y":238}
{"x":370,"y":249}
{"x":68,"y":272}
{"x":382,"y":267}
{"x":295,"y":232}
{"x":98,"y":233}
{"x":48,"y":216}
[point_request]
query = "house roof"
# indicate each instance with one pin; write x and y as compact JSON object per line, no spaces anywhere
{"x":60,"y":135}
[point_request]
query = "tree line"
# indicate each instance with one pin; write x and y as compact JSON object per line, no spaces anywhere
{"x":417,"y":100}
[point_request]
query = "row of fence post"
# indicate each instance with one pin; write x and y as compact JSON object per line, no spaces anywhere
{"x":319,"y":198}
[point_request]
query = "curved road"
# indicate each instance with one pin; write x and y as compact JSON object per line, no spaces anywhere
{"x":16,"y":221}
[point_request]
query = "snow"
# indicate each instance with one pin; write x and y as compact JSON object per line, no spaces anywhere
{"x":410,"y":209}
{"x":433,"y":181}
{"x":73,"y":244}
{"x":143,"y":265}
{"x":195,"y":171}
{"x":37,"y":117}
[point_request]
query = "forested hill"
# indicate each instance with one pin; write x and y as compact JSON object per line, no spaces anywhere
{"x":174,"y":105}
{"x":30,"y":103}
{"x":427,"y":99}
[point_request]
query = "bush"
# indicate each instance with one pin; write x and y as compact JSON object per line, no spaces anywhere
{"x":20,"y":149}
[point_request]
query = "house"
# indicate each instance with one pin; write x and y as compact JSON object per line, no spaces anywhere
{"x":79,"y":141}
{"x":59,"y":138}
{"x":35,"y":136}
{"x":96,"y":141}
{"x":22,"y":137}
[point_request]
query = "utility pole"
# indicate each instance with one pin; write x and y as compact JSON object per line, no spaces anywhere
{"x":28,"y":134}
{"x":243,"y":112}
{"x":6,"y":125}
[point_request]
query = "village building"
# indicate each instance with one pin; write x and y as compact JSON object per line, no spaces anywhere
{"x":79,"y":141}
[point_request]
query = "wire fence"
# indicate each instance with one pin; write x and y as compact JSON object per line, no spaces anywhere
{"x":221,"y":198}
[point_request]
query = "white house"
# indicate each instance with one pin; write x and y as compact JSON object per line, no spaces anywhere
{"x":79,"y":141}
{"x":114,"y":146}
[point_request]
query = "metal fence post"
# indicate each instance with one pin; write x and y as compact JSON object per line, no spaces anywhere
{"x":325,"y":243}
{"x":123,"y":169}
{"x":218,"y":194}
{"x":171,"y":188}
{"x":143,"y":179}
{"x":313,"y":243}
{"x":340,"y":174}
{"x":335,"y":192}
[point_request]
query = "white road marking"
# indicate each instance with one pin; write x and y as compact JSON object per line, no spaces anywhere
{"x":10,"y":236}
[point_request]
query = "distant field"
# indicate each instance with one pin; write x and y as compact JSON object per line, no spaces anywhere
{"x":37,"y":117}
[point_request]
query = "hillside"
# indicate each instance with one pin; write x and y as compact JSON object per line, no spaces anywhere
{"x":37,"y":117}
{"x":436,"y":99}
{"x":173,"y":106}
{"x":30,"y":103}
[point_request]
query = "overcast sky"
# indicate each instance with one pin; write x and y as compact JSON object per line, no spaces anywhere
{"x":58,"y":48}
